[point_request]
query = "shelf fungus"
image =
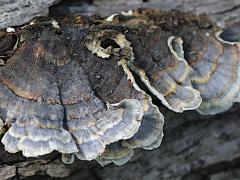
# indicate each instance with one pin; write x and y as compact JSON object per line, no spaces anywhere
{"x":56,"y":93}
{"x":184,"y":60}
{"x":82,"y":86}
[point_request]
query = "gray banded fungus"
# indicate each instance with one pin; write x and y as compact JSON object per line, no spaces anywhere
{"x":70,"y":86}
{"x":58,"y":92}
{"x":183,"y":59}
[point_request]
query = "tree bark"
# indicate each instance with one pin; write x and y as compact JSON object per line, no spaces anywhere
{"x":194,"y":146}
{"x":17,"y":12}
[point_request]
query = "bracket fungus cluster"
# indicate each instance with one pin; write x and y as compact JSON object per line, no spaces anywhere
{"x":72,"y":88}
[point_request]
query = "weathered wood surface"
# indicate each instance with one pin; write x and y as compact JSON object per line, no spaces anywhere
{"x":17,"y":12}
{"x":224,"y":12}
{"x":194,"y":146}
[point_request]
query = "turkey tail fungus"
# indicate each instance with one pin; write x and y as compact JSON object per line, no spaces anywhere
{"x":85,"y":88}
